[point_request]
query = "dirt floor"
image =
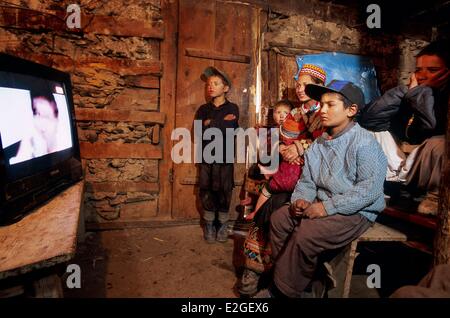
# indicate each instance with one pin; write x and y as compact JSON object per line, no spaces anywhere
{"x":176,"y":262}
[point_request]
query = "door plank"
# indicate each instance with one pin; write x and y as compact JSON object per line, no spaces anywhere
{"x":169,"y":12}
{"x":214,"y":55}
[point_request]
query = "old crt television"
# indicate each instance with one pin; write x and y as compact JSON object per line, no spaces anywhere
{"x":39,"y":150}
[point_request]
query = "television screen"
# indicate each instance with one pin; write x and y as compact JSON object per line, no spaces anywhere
{"x":39,"y":151}
{"x":34,"y":118}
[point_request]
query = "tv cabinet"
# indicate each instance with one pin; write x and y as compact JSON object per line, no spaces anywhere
{"x":37,"y":247}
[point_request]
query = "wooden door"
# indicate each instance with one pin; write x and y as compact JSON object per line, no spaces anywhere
{"x":220,"y":34}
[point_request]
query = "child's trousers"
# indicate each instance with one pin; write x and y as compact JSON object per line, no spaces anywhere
{"x":297,"y":243}
{"x":216,"y":187}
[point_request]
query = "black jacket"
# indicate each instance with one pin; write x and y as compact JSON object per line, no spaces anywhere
{"x":424,"y":108}
{"x":216,"y":116}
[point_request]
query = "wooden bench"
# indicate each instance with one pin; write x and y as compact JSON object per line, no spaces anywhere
{"x":42,"y":239}
{"x":425,"y":221}
{"x":340,"y":268}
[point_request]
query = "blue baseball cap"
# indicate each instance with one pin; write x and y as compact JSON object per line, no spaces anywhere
{"x":347,"y":89}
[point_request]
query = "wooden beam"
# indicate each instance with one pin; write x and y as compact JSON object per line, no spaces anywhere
{"x":65,"y":63}
{"x":156,"y":134}
{"x":142,"y":81}
{"x":30,"y":19}
{"x":92,"y":114}
{"x":136,"y":99}
{"x":13,"y":291}
{"x":194,"y":181}
{"x":108,"y":25}
{"x":273,"y":78}
{"x":209,"y":54}
{"x":114,"y":225}
{"x":119,"y":151}
{"x":123,"y":186}
{"x":45,"y":20}
{"x":169,"y":51}
{"x":416,"y":218}
{"x":442,"y":240}
{"x":307,"y":47}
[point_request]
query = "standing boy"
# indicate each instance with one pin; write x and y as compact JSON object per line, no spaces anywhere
{"x":216,"y":177}
{"x":338,"y":196}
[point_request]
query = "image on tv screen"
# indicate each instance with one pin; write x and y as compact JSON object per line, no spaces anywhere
{"x":34,"y":117}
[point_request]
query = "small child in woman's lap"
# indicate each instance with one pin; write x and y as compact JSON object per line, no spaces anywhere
{"x":281,"y":111}
{"x":287,"y":175}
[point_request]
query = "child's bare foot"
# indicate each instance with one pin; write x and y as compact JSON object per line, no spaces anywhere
{"x":246,"y":201}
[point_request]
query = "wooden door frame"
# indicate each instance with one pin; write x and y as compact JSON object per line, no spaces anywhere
{"x":169,"y":59}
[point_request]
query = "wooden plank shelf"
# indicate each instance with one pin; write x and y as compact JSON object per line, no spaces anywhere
{"x":45,"y":237}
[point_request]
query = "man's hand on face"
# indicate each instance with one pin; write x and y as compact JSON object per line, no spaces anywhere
{"x":412,"y":81}
{"x":439,"y":80}
{"x":298,"y":207}
{"x":315,"y":210}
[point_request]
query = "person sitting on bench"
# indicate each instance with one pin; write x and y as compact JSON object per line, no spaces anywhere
{"x":338,"y":196}
{"x":416,"y":114}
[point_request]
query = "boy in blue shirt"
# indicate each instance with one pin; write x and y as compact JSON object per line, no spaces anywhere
{"x":338,"y":196}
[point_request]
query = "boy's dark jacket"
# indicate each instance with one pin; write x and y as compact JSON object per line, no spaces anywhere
{"x":392,"y":112}
{"x":216,"y":116}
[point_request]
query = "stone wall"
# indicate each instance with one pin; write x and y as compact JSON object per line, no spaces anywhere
{"x":118,"y":132}
{"x":290,"y":35}
{"x":112,"y":63}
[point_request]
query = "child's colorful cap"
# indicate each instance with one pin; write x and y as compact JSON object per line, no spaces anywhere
{"x":211,"y":71}
{"x":314,"y":71}
{"x":292,"y":129}
{"x":347,"y":89}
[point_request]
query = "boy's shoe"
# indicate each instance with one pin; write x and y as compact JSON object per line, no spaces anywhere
{"x":249,"y":283}
{"x":429,"y":204}
{"x":222,"y":233}
{"x":210,"y":232}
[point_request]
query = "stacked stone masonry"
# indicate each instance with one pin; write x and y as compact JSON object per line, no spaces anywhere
{"x":101,"y":87}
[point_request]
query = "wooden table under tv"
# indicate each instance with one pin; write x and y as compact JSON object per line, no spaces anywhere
{"x":44,"y":240}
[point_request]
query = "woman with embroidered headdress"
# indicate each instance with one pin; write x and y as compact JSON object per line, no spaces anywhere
{"x":257,"y":252}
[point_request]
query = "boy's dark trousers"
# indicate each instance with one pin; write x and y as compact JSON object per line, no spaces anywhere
{"x":216,"y":186}
{"x":297,"y":243}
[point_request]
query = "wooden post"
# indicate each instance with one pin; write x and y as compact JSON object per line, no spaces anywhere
{"x":273,"y":77}
{"x":442,"y":241}
{"x":48,"y":287}
{"x":169,"y":51}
